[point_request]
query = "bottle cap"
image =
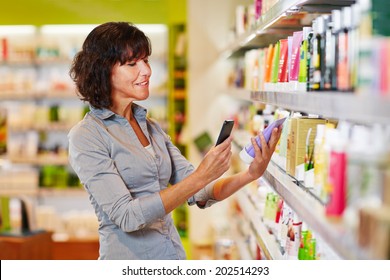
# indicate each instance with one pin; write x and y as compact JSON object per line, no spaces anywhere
{"x":245,"y":157}
{"x":346,"y":17}
{"x":378,"y":143}
{"x":336,"y":19}
{"x":360,"y":136}
{"x":320,"y":25}
{"x":336,"y":141}
{"x":356,"y":13}
{"x":314,"y":26}
{"x":365,"y":5}
{"x":320,"y":131}
{"x":306,"y":31}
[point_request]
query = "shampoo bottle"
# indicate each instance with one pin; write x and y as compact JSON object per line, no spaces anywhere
{"x":343,"y":66}
{"x":337,"y":176}
{"x":356,"y":153}
{"x":331,"y":55}
{"x":318,"y":159}
{"x":310,"y":41}
{"x":303,"y":58}
{"x":317,"y":57}
{"x":325,"y":151}
{"x":248,"y":152}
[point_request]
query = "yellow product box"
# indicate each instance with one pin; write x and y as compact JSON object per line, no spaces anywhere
{"x":296,"y":142}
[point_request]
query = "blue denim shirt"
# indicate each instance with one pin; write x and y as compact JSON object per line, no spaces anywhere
{"x":123,"y":181}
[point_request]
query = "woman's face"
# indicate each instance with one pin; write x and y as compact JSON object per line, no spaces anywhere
{"x":130,"y":81}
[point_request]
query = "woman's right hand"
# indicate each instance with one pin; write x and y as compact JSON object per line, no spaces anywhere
{"x":216,"y":161}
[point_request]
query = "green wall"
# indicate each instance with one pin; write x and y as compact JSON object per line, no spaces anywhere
{"x":39,"y":12}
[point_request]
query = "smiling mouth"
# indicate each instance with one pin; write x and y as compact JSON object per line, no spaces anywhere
{"x":143,"y":83}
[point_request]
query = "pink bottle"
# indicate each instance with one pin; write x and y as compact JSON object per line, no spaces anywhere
{"x":337,"y":177}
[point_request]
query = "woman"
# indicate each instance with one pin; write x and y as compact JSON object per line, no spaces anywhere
{"x":125,"y":160}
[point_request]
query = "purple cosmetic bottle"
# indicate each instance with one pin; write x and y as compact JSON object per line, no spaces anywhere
{"x":248,"y":152}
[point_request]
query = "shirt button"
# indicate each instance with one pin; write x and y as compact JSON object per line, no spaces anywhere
{"x":166,"y":237}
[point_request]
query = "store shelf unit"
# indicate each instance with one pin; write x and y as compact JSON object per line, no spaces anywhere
{"x":305,"y":205}
{"x":178,"y":94}
{"x":18,"y":192}
{"x":39,"y":98}
{"x":360,"y":109}
{"x":356,"y":107}
{"x":264,"y":239}
{"x":311,"y":209}
{"x":280,"y":21}
{"x":178,"y":113}
{"x":36,"y":95}
{"x":239,"y":94}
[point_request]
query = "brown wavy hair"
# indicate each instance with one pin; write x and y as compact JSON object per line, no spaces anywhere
{"x":104,"y":46}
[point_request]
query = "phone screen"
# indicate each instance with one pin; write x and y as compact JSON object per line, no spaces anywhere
{"x":226,"y":129}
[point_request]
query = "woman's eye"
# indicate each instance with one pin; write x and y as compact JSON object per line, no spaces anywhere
{"x":146,"y":60}
{"x":131,"y":64}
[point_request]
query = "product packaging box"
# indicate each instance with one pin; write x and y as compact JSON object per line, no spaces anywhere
{"x":296,"y":143}
{"x":374,"y":232}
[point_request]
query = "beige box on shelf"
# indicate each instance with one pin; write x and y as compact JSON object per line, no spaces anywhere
{"x":18,"y":181}
{"x":374,"y":231}
{"x":296,"y":141}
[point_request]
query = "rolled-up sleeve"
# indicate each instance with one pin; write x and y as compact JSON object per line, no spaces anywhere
{"x":204,"y":195}
{"x":90,"y":158}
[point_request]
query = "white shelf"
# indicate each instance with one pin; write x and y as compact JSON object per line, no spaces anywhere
{"x":36,"y":61}
{"x":44,"y":192}
{"x":241,"y":240}
{"x":312,"y":212}
{"x":238,"y":93}
{"x":61,"y":192}
{"x":268,"y":29}
{"x":265,"y":240}
{"x":28,"y":95}
{"x":51,"y":126}
{"x":335,"y":105}
{"x":248,"y":39}
{"x":40,"y":160}
{"x":18,"y":192}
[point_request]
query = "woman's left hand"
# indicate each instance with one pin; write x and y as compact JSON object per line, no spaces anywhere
{"x":263,"y":155}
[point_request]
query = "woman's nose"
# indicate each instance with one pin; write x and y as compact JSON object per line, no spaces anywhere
{"x":144,"y":68}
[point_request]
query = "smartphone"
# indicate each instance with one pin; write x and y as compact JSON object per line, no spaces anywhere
{"x":226,"y":129}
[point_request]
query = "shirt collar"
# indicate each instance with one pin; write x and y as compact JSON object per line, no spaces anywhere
{"x":104,"y":113}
